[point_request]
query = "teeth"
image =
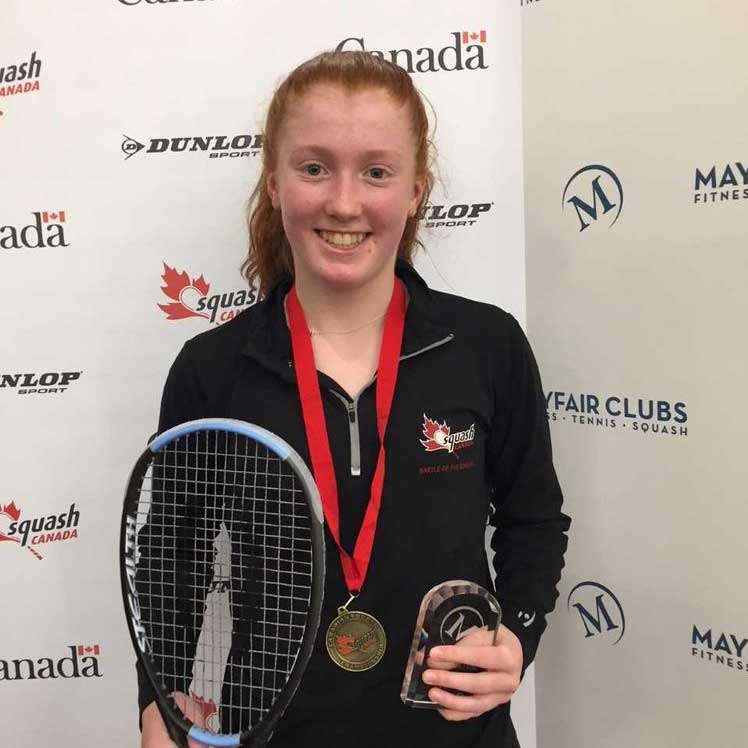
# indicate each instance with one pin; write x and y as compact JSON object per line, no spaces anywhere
{"x":342,"y":240}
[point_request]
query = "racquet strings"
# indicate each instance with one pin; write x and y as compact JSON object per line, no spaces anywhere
{"x":224,"y":575}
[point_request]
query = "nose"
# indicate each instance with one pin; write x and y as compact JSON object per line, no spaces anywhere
{"x":343,"y":199}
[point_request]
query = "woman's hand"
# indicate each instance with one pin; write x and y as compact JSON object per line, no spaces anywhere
{"x":501,"y":664}
{"x":154,"y":734}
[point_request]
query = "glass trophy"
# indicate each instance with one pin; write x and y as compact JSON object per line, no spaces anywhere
{"x":449,"y":612}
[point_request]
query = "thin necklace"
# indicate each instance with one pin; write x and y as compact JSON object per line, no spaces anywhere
{"x":339,"y":332}
{"x":347,"y":332}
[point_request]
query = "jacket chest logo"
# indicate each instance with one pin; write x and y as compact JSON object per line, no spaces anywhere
{"x":440,"y":436}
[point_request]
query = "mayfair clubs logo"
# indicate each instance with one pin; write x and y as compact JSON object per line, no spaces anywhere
{"x":721,"y":183}
{"x":596,"y":195}
{"x":600,"y":611}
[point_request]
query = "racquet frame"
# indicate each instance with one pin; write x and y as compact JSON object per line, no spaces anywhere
{"x":178,"y":726}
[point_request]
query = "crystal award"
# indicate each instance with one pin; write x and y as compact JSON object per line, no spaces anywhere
{"x":449,"y":612}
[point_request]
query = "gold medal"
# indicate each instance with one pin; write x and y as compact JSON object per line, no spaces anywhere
{"x":355,"y":641}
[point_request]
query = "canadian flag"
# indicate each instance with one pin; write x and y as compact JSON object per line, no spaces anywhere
{"x":84,"y":650}
{"x":473,"y":36}
{"x":58,"y":217}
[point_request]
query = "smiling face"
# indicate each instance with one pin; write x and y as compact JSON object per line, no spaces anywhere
{"x":345,"y":184}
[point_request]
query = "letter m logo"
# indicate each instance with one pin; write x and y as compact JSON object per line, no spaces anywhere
{"x":599,"y":610}
{"x":591,"y":210}
{"x":605,"y":196}
{"x":600,"y":618}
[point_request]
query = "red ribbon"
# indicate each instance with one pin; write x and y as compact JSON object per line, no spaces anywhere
{"x":354,"y":568}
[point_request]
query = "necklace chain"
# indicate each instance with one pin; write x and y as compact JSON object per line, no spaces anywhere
{"x":347,"y":332}
{"x":338,"y":332}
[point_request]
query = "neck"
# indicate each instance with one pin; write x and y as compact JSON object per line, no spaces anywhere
{"x":336,"y":309}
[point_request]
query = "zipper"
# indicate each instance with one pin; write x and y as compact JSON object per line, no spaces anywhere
{"x":351,"y":407}
{"x":427,"y":348}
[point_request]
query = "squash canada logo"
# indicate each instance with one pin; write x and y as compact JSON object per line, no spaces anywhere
{"x":31,"y":534}
{"x":20,"y":78}
{"x":190,"y":297}
{"x":439,"y":436}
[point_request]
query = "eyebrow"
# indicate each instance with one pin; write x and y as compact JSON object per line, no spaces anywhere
{"x":373,"y":153}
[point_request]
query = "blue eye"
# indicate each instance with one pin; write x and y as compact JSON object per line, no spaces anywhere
{"x":379,"y":169}
{"x":313,"y":166}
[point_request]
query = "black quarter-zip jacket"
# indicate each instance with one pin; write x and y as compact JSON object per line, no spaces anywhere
{"x":466,"y":367}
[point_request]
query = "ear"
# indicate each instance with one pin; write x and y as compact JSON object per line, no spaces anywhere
{"x":272,"y":189}
{"x":418,"y":190}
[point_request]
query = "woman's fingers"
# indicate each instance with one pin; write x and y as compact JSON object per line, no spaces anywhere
{"x":472,"y":683}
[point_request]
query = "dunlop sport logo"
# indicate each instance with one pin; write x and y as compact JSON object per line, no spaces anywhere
{"x":453,"y":215}
{"x":46,"y":383}
{"x":216,"y":146}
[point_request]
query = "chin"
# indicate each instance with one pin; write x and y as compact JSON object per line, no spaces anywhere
{"x":345,"y":277}
{"x":347,"y":274}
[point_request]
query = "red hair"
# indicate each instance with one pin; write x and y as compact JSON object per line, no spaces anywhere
{"x":269,"y":258}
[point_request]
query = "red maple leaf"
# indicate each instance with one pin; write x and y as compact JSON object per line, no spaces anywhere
{"x":201,"y":285}
{"x":12,"y":511}
{"x":174,"y":281}
{"x":430,"y":428}
{"x":175,"y":285}
{"x":178,"y":311}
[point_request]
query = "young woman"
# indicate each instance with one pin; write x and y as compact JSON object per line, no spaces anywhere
{"x":333,"y":225}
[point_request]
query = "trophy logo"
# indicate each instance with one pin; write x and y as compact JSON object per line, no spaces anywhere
{"x":458,"y":623}
{"x":448,"y":613}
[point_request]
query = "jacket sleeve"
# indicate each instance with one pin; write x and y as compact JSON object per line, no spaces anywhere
{"x":182,"y":400}
{"x":530,"y":530}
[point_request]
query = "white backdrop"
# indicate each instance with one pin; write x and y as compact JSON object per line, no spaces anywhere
{"x":81,"y":286}
{"x":647,"y":646}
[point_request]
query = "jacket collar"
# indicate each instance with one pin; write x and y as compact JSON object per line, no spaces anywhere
{"x":268,"y":339}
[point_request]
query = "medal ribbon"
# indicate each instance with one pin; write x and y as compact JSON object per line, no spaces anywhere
{"x":354,"y":568}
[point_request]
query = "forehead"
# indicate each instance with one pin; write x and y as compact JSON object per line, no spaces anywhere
{"x":331,"y":117}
